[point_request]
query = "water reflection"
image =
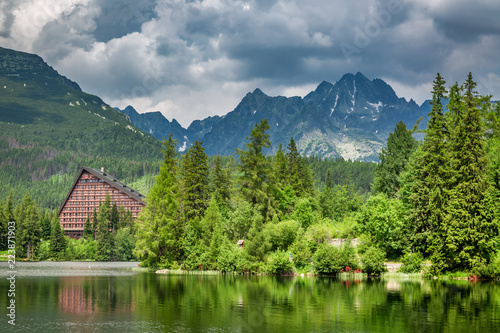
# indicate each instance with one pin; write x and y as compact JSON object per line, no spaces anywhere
{"x":133,"y":301}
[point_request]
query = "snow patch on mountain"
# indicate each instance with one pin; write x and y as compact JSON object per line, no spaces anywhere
{"x":376,"y":105}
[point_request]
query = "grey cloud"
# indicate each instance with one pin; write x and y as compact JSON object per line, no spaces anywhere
{"x":466,"y":21}
{"x":186,"y":48}
{"x":121,"y":17}
{"x":6,"y":7}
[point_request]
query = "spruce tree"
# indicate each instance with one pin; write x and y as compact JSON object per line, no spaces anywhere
{"x":220,"y":181}
{"x":326,"y":197}
{"x":393,"y":160}
{"x":46,"y":226}
{"x":104,"y":234}
{"x":114,"y":218}
{"x":470,"y":230}
{"x":58,"y":242}
{"x":31,"y":231}
{"x":196,"y":182}
{"x":94,"y":223}
{"x":293,"y":164}
{"x":160,"y":230}
{"x":298,"y":175}
{"x":280,"y":167}
{"x":87,"y":229}
{"x":424,"y":185}
{"x":9,"y":208}
{"x":256,"y":181}
{"x":455,"y":108}
{"x":28,"y":231}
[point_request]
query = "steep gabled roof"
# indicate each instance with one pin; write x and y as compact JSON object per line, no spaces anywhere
{"x":107,"y":179}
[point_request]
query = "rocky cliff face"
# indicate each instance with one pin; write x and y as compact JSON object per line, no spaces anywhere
{"x":350,"y":119}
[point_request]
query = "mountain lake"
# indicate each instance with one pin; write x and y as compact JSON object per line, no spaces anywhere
{"x":120,"y":297}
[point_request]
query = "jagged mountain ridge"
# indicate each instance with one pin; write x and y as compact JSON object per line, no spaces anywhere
{"x":349,"y":119}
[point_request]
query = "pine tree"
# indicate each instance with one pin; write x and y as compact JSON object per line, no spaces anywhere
{"x":326,"y":198}
{"x":220,"y":181}
{"x":211,"y":226}
{"x":280,"y":167}
{"x":424,"y":180}
{"x":46,"y":226}
{"x":125,"y":219}
{"x":28,"y":231}
{"x":9,"y":208}
{"x":470,"y":230}
{"x":293,"y":160}
{"x":298,"y":175}
{"x":31,"y":231}
{"x":455,"y":108}
{"x":160,"y":230}
{"x":424,"y":185}
{"x":211,"y":221}
{"x":94,"y":223}
{"x":104,"y":235}
{"x":256,"y":183}
{"x":58,"y":242}
{"x":87,"y":229}
{"x":196,"y":182}
{"x":114,"y":218}
{"x":393,"y":160}
{"x":284,"y":195}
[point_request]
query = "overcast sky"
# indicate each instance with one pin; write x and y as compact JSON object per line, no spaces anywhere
{"x":193,"y":59}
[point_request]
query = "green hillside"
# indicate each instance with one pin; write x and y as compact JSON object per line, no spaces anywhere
{"x":50,"y":128}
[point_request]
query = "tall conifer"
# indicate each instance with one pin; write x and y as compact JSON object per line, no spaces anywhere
{"x":423,"y":186}
{"x":104,"y":235}
{"x":469,"y":233}
{"x":393,"y":160}
{"x":256,"y":182}
{"x":160,"y":231}
{"x":57,"y":248}
{"x":196,"y":182}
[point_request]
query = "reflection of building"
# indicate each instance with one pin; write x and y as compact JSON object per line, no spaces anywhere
{"x":72,"y":299}
{"x":88,"y":191}
{"x":84,"y":295}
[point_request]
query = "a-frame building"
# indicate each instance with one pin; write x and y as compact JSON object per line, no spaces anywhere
{"x":90,"y":189}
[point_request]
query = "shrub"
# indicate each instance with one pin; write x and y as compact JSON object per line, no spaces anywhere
{"x":372,"y":261}
{"x":124,"y":244}
{"x":491,"y":271}
{"x":278,"y":263}
{"x":330,"y":259}
{"x":305,"y":212}
{"x":301,"y":254}
{"x":412,"y":263}
{"x":318,"y":234}
{"x":382,"y":219}
{"x":43,"y":252}
{"x":348,"y":256}
{"x":327,"y":260}
{"x":282,"y":234}
{"x":227,"y":261}
{"x":232,"y":259}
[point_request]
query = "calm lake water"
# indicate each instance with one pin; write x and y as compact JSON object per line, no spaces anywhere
{"x":116,"y":297}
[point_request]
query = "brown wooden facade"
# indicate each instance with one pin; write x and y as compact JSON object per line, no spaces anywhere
{"x":88,"y":191}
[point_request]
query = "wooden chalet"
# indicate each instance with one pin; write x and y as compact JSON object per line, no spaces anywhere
{"x":90,"y":189}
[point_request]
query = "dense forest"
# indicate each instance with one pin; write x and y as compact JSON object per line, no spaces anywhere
{"x":431,"y":202}
{"x":435,"y":200}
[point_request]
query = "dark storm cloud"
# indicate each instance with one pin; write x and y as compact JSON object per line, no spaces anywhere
{"x":121,"y":17}
{"x":203,"y":56}
{"x":466,"y":21}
